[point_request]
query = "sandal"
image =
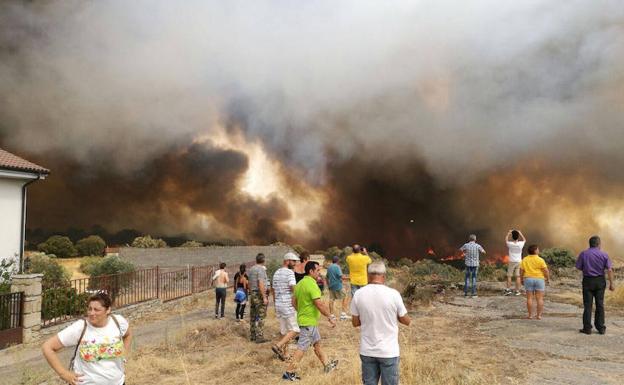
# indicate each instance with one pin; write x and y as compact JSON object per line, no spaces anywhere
{"x":278,"y":353}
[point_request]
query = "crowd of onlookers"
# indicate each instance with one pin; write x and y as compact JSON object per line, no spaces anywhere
{"x":297,"y":290}
{"x":102,"y":340}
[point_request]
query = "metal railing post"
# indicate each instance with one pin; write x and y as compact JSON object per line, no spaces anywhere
{"x":193,"y":279}
{"x":157,"y":282}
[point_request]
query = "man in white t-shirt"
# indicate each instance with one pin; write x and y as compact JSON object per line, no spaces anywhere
{"x":515,"y":242}
{"x":283,"y":285}
{"x":378,"y":310}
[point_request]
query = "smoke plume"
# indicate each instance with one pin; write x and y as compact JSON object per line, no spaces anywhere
{"x":407,"y":125}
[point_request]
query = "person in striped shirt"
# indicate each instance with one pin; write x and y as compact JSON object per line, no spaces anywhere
{"x":282,"y":287}
{"x":471,"y":252}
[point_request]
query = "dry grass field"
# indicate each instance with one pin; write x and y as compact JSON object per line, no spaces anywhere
{"x":433,"y":352}
{"x":73,"y":266}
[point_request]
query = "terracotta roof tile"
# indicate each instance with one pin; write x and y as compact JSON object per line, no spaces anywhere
{"x":9,"y":161}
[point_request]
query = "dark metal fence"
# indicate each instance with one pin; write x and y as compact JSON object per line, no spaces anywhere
{"x":128,"y":288}
{"x":175,"y":284}
{"x":11,"y":317}
{"x":64,"y":302}
{"x":202,"y":278}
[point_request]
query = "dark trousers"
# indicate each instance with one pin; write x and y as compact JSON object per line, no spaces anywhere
{"x":220,"y":292}
{"x":594,"y":288}
{"x":240,"y":310}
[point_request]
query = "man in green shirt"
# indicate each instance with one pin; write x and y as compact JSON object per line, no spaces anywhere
{"x":307,"y":301}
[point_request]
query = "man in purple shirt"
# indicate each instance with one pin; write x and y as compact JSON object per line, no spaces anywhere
{"x":593,"y":262}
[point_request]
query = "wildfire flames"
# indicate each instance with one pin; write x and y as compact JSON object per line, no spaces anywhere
{"x":497,"y":258}
{"x":459,"y":255}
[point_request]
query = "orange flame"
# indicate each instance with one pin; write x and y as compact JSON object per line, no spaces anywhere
{"x":497,"y":258}
{"x":455,"y":257}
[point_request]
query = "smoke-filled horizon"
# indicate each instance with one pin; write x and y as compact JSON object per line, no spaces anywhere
{"x":405,"y":124}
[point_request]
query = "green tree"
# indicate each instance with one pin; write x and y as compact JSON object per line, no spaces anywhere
{"x":58,"y":245}
{"x":7,"y":268}
{"x":147,"y":242}
{"x":558,"y":257}
{"x":108,"y":275}
{"x":110,"y":265}
{"x":92,"y":245}
{"x":87,"y":264}
{"x":53,"y":273}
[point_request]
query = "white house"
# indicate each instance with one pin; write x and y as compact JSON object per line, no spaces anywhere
{"x":15,"y":175}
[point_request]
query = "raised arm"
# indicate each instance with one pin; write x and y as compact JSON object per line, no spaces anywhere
{"x":507,"y":236}
{"x":522,"y":238}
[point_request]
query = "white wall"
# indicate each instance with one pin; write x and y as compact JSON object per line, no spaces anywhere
{"x":10,"y":216}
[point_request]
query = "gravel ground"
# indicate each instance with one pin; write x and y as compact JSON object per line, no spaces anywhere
{"x":552,"y":348}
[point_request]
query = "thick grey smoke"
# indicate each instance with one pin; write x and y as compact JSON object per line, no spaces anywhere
{"x":469,"y":89}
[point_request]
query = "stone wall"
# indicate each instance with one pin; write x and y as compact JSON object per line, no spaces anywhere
{"x":178,"y":257}
{"x":30,"y":284}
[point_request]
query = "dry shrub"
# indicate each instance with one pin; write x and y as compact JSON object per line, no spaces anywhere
{"x":205,"y":336}
{"x":563,"y":272}
{"x":430,"y":271}
{"x":418,"y":294}
{"x":492,"y":272}
{"x":616,"y":298}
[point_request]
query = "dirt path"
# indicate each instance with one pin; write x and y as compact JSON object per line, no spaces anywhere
{"x":552,"y":348}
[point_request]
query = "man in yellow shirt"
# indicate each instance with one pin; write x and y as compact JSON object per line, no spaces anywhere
{"x":358,"y":264}
{"x":534,"y":275}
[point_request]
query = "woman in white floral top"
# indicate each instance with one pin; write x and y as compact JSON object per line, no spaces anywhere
{"x":102,"y":340}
